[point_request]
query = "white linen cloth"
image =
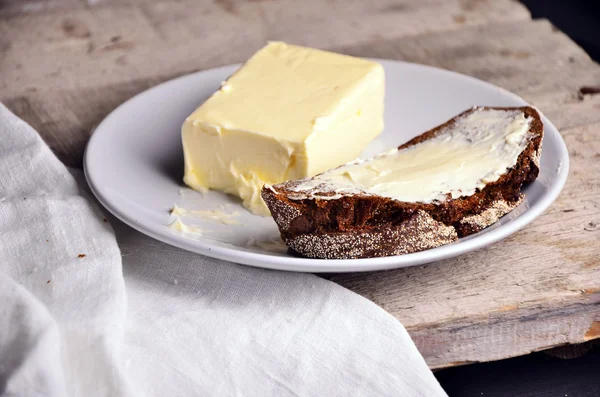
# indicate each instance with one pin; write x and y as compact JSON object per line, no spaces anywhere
{"x":81,"y":315}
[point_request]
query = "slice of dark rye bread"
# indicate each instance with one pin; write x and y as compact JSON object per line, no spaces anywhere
{"x":365,"y":226}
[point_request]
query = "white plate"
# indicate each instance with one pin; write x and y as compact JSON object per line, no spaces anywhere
{"x":134,"y":165}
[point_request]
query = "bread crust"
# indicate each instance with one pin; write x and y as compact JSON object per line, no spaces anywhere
{"x":361,"y":226}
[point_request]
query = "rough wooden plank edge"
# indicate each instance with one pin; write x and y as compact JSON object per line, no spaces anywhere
{"x":510,"y":333}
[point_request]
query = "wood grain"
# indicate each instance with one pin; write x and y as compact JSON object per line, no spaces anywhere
{"x":65,"y":64}
{"x":537,"y":289}
{"x":98,"y":46}
{"x":547,"y":73}
{"x":11,"y":8}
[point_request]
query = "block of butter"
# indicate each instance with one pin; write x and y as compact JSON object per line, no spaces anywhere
{"x":289,"y":112}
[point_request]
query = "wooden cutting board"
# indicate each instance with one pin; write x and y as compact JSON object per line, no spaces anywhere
{"x":65,"y":64}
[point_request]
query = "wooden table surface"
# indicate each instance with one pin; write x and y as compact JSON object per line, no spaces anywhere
{"x":65,"y":64}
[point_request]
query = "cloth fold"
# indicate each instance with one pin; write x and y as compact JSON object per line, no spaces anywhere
{"x":84,"y":316}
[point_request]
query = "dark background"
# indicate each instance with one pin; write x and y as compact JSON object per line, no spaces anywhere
{"x":537,"y":374}
{"x":579,"y":19}
{"x":540,"y":374}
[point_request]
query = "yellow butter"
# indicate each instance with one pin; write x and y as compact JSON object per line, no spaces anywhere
{"x":289,"y":112}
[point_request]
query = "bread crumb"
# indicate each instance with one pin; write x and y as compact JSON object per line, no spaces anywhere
{"x":81,"y":256}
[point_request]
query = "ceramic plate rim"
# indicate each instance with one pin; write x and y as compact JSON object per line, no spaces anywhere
{"x":290,"y":263}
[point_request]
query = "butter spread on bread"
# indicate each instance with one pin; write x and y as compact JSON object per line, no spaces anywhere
{"x":449,"y":182}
